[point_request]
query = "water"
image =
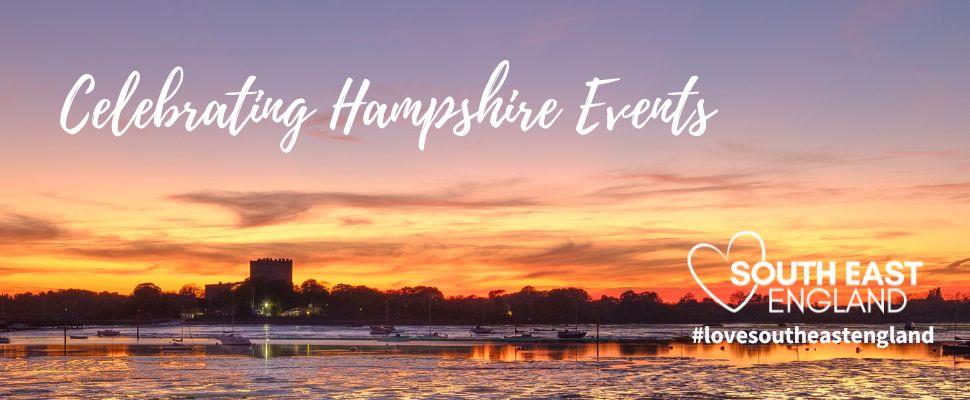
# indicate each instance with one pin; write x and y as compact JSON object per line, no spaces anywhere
{"x":342,"y":362}
{"x":374,"y":374}
{"x":944,"y":331}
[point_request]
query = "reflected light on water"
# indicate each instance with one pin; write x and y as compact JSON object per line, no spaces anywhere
{"x":737,"y":355}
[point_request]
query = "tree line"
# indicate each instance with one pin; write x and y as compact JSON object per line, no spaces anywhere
{"x":315,"y":302}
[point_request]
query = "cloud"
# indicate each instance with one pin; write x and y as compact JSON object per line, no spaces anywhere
{"x":954,"y":266}
{"x":882,"y":235}
{"x":571,"y":253}
{"x":274,"y":207}
{"x":633,"y":185}
{"x":350,"y":221}
{"x":202,"y":258}
{"x":319,"y":126}
{"x":948,"y":191}
{"x":20,"y":227}
{"x":86,"y":202}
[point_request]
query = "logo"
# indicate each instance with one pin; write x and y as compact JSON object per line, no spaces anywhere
{"x":726,"y":256}
{"x":812,"y":285}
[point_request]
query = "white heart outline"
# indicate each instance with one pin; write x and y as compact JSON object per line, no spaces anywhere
{"x":690,"y":265}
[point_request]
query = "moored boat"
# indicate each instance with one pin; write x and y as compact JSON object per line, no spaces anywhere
{"x":233,"y":340}
{"x":382,"y":330}
{"x":176,"y":346}
{"x":4,"y":340}
{"x":432,"y":336}
{"x":481,"y":330}
{"x":956,"y":348}
{"x":525,"y":337}
{"x":571,"y":334}
{"x":397,"y":338}
{"x":108,"y":333}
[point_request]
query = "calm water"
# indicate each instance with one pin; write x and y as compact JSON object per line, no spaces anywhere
{"x":944,"y":331}
{"x":348,"y":363}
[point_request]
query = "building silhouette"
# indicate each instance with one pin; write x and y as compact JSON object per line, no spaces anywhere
{"x":268,"y":270}
{"x":218,"y":297}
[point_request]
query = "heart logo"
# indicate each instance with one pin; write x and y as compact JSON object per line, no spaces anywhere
{"x":726,"y":256}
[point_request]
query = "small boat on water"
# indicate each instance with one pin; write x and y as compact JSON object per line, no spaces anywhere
{"x":386,"y":328}
{"x":108,"y":333}
{"x":382,"y":330}
{"x":481,"y":330}
{"x":525,"y":337}
{"x":4,"y":340}
{"x":233,"y":340}
{"x":431,"y":336}
{"x":78,"y":337}
{"x":397,"y":338}
{"x":956,"y":347}
{"x":571,"y":334}
{"x":176,"y":346}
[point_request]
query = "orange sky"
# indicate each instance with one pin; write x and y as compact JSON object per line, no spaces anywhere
{"x":613,"y":231}
{"x":841,"y":135}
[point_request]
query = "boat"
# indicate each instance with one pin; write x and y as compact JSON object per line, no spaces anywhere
{"x":397,"y":338}
{"x":109,"y":333}
{"x":571,"y":334}
{"x":181,"y":337}
{"x":432,"y":336}
{"x":524,"y":337}
{"x":4,"y":340}
{"x":481,"y":330}
{"x":176,"y":346}
{"x":79,"y":337}
{"x":382,"y":330}
{"x":233,"y":340}
{"x":387,"y":328}
{"x":956,"y":347}
{"x":19,"y":327}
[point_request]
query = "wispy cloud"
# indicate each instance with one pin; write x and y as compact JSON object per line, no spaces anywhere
{"x":350,"y":221}
{"x":268,"y":208}
{"x":20,"y":227}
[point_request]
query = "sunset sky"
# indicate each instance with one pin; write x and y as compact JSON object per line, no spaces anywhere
{"x":842,"y":133}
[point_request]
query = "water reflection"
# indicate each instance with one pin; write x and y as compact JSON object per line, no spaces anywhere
{"x":518,"y":352}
